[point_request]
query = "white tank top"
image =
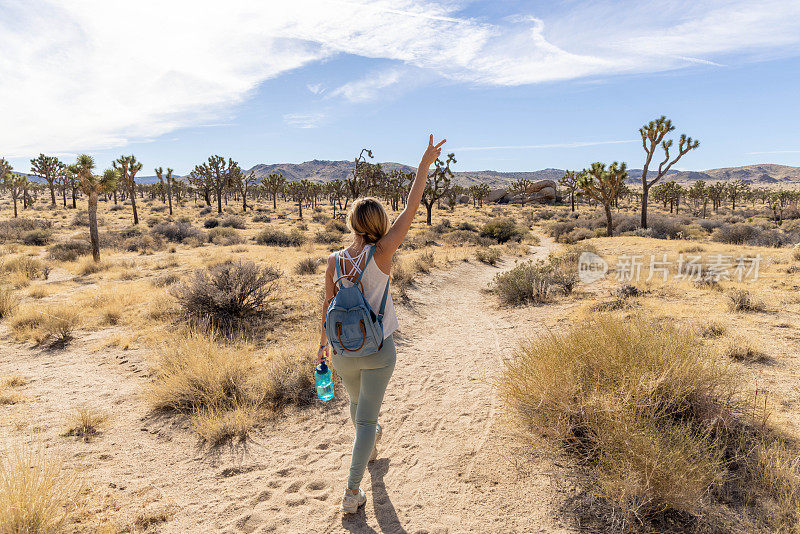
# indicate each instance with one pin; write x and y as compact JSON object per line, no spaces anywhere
{"x":374,"y":282}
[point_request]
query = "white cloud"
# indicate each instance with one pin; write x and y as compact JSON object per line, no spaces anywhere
{"x":576,"y":144}
{"x":304,"y":120}
{"x":88,"y":74}
{"x":315,"y":88}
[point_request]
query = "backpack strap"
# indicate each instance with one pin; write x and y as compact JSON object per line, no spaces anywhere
{"x":369,"y":257}
{"x":338,"y":270}
{"x":383,"y":300}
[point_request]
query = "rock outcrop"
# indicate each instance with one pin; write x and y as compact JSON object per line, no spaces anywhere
{"x":543,"y":191}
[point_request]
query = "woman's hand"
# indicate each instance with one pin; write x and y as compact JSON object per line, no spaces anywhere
{"x":322,"y":354}
{"x":432,"y":152}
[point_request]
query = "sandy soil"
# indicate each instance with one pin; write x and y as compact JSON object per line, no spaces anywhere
{"x":445,"y":463}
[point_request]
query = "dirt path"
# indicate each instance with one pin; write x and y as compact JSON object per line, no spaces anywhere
{"x":445,"y":462}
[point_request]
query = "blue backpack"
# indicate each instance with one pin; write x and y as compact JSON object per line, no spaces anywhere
{"x":352,"y":326}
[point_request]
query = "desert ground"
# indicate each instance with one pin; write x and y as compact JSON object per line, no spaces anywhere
{"x":144,"y":419}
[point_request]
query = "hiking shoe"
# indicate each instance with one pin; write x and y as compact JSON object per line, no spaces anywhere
{"x":378,"y":436}
{"x":351,"y":503}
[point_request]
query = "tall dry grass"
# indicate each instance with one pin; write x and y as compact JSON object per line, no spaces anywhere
{"x":37,"y":494}
{"x":226,"y":387}
{"x":660,"y":424}
{"x":45,"y":325}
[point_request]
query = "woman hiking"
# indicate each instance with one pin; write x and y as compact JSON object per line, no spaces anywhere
{"x":367,"y":261}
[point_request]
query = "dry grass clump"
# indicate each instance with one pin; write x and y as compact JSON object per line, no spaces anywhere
{"x":37,"y":495}
{"x":45,"y":325}
{"x":713,"y":329}
{"x":503,"y":229}
{"x":743,"y":300}
{"x":8,"y":301}
{"x":88,"y":266}
{"x":230,"y":297}
{"x":85,"y":423}
{"x":25,"y":268}
{"x":227,"y":388}
{"x":658,"y":423}
{"x":743,"y":350}
{"x":11,"y":382}
{"x":487,"y":255}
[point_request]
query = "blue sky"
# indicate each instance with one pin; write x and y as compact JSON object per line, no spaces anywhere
{"x":512,"y":85}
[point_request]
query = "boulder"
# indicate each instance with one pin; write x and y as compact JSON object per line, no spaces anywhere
{"x":543,"y":191}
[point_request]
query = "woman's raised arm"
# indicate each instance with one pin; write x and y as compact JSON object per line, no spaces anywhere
{"x":389,"y":243}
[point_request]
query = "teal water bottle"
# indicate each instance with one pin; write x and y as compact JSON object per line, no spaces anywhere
{"x":324,"y":380}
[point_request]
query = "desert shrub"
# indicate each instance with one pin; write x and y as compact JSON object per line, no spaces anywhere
{"x":15,"y":229}
{"x":743,"y":300}
{"x":664,"y":227}
{"x":527,"y":283}
{"x":224,"y":236}
{"x":176,"y":232}
{"x":302,"y":226}
{"x":152,"y":221}
{"x":325,"y":237}
{"x":575,"y":235}
{"x":308,"y":266}
{"x":503,"y":229}
{"x":735,"y":234}
{"x":37,"y":238}
{"x":488,"y":255}
{"x":37,"y":494}
{"x":140,"y":243}
{"x":713,"y":329}
{"x":205,"y":211}
{"x":402,"y":278}
{"x":442,"y":226}
{"x":335,"y":225}
{"x":279,"y":238}
{"x":262,"y":218}
{"x":230,"y":297}
{"x":50,"y":326}
{"x":320,"y":218}
{"x":69,"y":251}
{"x":211,"y":223}
{"x":81,"y":218}
{"x":458,"y":237}
{"x":233,"y":221}
{"x":88,"y":266}
{"x":424,"y":262}
{"x":116,"y":207}
{"x":655,"y":421}
{"x":709,"y":224}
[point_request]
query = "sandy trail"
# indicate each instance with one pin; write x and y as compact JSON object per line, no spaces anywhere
{"x":444,"y":465}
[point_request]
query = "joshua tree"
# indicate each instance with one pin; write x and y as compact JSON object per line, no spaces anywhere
{"x":437,"y":185}
{"x":162,"y":187}
{"x":336,"y":189}
{"x":478,"y":192}
{"x":170,"y":182}
{"x":699,"y":193}
{"x":298,"y":192}
{"x":521,"y":187}
{"x":736,"y":189}
{"x":244,"y":182}
{"x":218,"y":175}
{"x":14,"y":182}
{"x":570,"y":182}
{"x":366,"y":176}
{"x":47,"y":168}
{"x":603,"y":185}
{"x":93,"y":186}
{"x":273,"y":183}
{"x":653,"y":135}
{"x":128,"y":167}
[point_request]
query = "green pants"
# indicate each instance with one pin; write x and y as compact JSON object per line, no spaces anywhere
{"x":365,"y":378}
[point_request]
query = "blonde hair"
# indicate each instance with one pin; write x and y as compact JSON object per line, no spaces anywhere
{"x":368,"y":218}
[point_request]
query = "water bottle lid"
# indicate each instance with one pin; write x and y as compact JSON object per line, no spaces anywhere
{"x":322,"y":368}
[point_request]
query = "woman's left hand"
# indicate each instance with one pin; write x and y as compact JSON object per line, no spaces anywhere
{"x":322,"y":354}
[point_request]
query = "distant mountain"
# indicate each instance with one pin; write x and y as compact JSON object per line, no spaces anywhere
{"x":317,"y":170}
{"x":764,"y":173}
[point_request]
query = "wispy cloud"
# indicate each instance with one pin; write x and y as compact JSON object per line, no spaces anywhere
{"x":69,"y":82}
{"x":315,"y":88}
{"x":303,"y":120}
{"x":773,"y":152}
{"x":577,"y":144}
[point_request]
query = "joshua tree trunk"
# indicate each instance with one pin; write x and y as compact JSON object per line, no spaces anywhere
{"x":275,"y":201}
{"x":15,"y":206}
{"x":93,"y":235}
{"x":609,"y":225}
{"x":219,"y":201}
{"x":169,"y":195}
{"x":133,"y":205}
{"x":429,"y":209}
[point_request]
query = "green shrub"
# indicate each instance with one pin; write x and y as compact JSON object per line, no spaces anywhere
{"x":503,"y":229}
